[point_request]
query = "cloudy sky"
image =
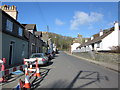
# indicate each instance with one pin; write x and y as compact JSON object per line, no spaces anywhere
{"x":68,"y":18}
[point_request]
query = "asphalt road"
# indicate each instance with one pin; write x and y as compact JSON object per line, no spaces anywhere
{"x":67,"y":71}
{"x":70,"y":72}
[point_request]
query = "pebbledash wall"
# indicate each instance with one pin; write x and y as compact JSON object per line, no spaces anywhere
{"x":102,"y":57}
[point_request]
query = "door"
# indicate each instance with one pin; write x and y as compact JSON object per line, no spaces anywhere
{"x":11,"y":52}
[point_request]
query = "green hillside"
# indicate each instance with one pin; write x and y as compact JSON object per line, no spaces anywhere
{"x":62,"y":42}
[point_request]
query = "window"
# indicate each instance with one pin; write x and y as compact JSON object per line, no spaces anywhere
{"x":9,"y":25}
{"x":23,"y":48}
{"x":20,"y":31}
{"x":98,"y":45}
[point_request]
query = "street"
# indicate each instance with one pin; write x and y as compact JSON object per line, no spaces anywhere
{"x":70,"y":72}
{"x":66,"y":71}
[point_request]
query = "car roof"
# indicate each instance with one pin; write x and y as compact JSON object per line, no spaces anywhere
{"x":37,"y":53}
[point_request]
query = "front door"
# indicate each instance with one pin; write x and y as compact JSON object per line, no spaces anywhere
{"x":11,"y":52}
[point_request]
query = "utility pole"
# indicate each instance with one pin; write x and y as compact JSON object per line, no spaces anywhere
{"x":47,"y":36}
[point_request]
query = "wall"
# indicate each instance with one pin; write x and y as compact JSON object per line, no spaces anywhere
{"x":111,"y":40}
{"x":17,"y":58}
{"x":0,"y":44}
{"x":74,"y":46}
{"x":0,"y":34}
{"x":102,"y":57}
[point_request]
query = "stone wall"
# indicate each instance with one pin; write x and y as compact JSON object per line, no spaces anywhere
{"x":103,"y":57}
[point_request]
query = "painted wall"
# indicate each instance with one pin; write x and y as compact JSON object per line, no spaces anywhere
{"x":74,"y":46}
{"x":0,"y":44}
{"x":19,"y":52}
{"x":111,"y":40}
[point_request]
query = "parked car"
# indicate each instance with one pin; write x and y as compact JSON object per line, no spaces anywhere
{"x":42,"y":58}
{"x":49,"y":56}
{"x":57,"y":51}
{"x":53,"y":53}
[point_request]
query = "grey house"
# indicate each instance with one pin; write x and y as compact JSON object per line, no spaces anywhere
{"x":43,"y":42}
{"x":14,"y":44}
{"x":35,"y":42}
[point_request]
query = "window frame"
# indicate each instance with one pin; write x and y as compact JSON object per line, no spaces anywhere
{"x":98,"y":45}
{"x":20,"y":31}
{"x":9,"y":25}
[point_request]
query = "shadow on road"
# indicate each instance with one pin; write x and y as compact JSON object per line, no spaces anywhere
{"x":88,"y":78}
{"x":36,"y":82}
{"x":91,"y":76}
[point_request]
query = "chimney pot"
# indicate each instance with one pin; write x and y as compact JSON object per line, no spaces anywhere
{"x":101,"y":32}
{"x":10,"y":10}
{"x":116,"y":26}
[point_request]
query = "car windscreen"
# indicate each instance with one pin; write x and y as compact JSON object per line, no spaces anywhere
{"x":36,"y":56}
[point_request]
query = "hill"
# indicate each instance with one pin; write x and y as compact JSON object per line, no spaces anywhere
{"x":62,"y":42}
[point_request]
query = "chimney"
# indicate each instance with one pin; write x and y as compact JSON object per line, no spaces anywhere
{"x":12,"y":11}
{"x":92,"y":38}
{"x":101,"y":32}
{"x":116,"y":26}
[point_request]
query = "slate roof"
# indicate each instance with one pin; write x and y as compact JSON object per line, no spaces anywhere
{"x":30,"y":26}
{"x":97,"y":39}
{"x":38,"y":33}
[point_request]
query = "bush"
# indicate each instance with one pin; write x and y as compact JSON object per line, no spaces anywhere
{"x":115,"y":49}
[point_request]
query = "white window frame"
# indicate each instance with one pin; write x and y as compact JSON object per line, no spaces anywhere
{"x":9,"y":25}
{"x":20,"y":31}
{"x":98,"y":45}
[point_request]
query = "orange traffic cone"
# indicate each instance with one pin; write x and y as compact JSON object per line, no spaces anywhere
{"x":27,"y":83}
{"x":30,"y":68}
{"x":37,"y":74}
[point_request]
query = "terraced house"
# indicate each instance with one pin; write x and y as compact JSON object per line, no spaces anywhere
{"x":103,"y":41}
{"x":35,"y":43}
{"x":14,"y":44}
{"x":18,"y":40}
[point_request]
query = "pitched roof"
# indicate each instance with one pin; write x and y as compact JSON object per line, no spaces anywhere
{"x":30,"y":26}
{"x":97,"y":39}
{"x":38,"y":33}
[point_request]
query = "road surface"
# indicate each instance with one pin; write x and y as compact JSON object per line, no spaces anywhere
{"x":67,"y":71}
{"x":70,"y":72}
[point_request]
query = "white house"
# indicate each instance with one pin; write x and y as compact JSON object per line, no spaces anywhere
{"x":54,"y":47}
{"x":74,"y":46}
{"x":104,"y":41}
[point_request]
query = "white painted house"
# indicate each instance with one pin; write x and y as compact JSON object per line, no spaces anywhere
{"x":104,"y":41}
{"x":74,"y":46}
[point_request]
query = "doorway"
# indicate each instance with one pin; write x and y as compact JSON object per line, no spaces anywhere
{"x":11,"y":52}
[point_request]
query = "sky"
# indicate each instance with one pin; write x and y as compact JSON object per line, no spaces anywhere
{"x":68,"y":18}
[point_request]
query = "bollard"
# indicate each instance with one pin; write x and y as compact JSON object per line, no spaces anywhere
{"x":3,"y":79}
{"x":21,"y":84}
{"x":3,"y":64}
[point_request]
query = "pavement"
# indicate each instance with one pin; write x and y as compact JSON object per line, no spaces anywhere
{"x":112,"y":66}
{"x":66,"y":71}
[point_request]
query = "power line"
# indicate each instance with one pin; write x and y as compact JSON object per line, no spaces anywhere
{"x":42,"y":16}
